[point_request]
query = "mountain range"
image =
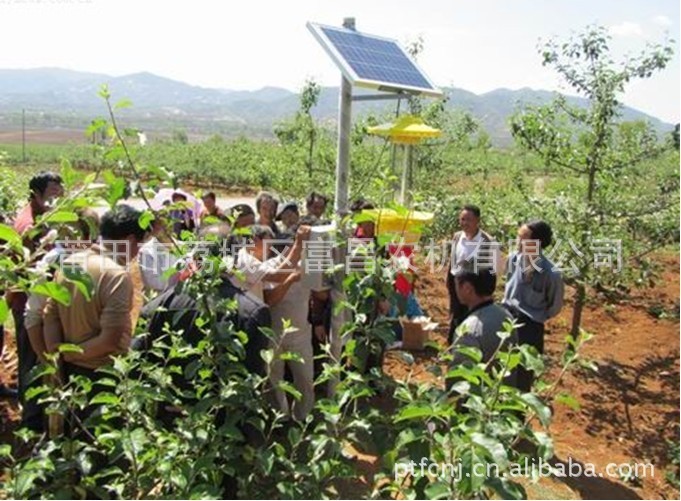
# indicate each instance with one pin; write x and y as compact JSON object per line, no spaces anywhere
{"x":60,"y":98}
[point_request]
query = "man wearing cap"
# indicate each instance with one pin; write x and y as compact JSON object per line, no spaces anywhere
{"x":287,"y":217}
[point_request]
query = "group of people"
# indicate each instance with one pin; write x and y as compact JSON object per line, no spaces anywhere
{"x":269,"y":287}
{"x":533,"y":292}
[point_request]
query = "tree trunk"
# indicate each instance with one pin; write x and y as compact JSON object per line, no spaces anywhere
{"x":310,"y":150}
{"x":580,"y":300}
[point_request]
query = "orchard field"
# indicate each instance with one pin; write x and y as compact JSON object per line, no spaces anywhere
{"x":609,"y":385}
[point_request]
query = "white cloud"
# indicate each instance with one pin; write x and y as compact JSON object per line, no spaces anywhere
{"x":626,"y":29}
{"x":662,"y":21}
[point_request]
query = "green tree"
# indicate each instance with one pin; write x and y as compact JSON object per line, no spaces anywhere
{"x":303,"y":130}
{"x":599,"y":158}
{"x":675,"y":137}
{"x":180,"y":136}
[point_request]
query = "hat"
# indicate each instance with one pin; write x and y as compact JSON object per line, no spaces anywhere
{"x":241,"y":210}
{"x":284,"y":207}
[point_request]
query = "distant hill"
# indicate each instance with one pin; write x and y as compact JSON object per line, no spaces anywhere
{"x":60,"y":98}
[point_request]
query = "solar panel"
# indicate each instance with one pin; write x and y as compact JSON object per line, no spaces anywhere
{"x":372,"y":61}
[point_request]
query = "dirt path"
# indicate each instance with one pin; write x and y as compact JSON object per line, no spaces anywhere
{"x":629,"y":409}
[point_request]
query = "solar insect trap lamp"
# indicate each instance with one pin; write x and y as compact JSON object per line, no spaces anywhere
{"x":371,"y":62}
{"x":407,"y":130}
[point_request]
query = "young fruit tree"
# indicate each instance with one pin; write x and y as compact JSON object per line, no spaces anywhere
{"x":619,"y":188}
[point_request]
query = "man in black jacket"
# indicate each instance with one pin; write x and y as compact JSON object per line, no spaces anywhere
{"x":180,"y":310}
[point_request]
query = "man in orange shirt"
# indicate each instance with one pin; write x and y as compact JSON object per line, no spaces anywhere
{"x":101,"y":326}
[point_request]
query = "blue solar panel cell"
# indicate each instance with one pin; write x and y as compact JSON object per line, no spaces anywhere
{"x":376,"y":59}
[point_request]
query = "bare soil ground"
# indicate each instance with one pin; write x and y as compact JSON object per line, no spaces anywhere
{"x":628,"y":410}
{"x":56,"y":136}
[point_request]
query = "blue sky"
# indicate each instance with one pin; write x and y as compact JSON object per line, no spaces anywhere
{"x":475,"y":45}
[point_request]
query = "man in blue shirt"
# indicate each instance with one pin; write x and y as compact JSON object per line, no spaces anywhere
{"x":534,"y":289}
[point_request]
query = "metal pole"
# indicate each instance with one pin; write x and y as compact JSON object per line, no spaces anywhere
{"x":410,"y":173}
{"x":405,"y":170}
{"x":344,"y":122}
{"x":406,"y":174}
{"x":23,"y":135}
{"x":342,"y":316}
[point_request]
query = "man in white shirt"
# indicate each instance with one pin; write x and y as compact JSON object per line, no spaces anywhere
{"x":156,"y":258}
{"x":278,"y":279}
{"x":470,"y":244}
{"x":262,"y":271}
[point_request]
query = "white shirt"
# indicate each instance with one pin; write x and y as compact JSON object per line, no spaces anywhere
{"x":254,"y":272}
{"x":36,"y":302}
{"x":294,"y":307}
{"x":155,"y":258}
{"x":464,"y":250}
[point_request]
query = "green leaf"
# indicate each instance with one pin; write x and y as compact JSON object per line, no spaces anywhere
{"x":532,"y":360}
{"x":116,"y":187}
{"x":545,"y":445}
{"x":53,"y":290}
{"x":138,"y":439}
{"x":34,"y":391}
{"x":386,"y":238}
{"x":589,"y":365}
{"x":461,"y":387}
{"x":68,"y":174}
{"x":291,"y":356}
{"x":438,"y":490}
{"x":145,"y":219}
{"x":123,"y":103}
{"x":506,"y":489}
{"x":61,"y":217}
{"x":39,"y":371}
{"x":104,"y":92}
{"x":69,"y":348}
{"x":493,"y":447}
{"x":267,"y":356}
{"x":542,"y":410}
{"x":95,"y":126}
{"x":289,"y":388}
{"x":473,"y":353}
{"x":414,"y":412}
{"x":23,"y":482}
{"x":463,"y":372}
{"x":568,"y":400}
{"x":105,"y":399}
{"x":4,"y":310}
{"x":9,"y":234}
{"x":82,"y":280}
{"x":178,"y":479}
